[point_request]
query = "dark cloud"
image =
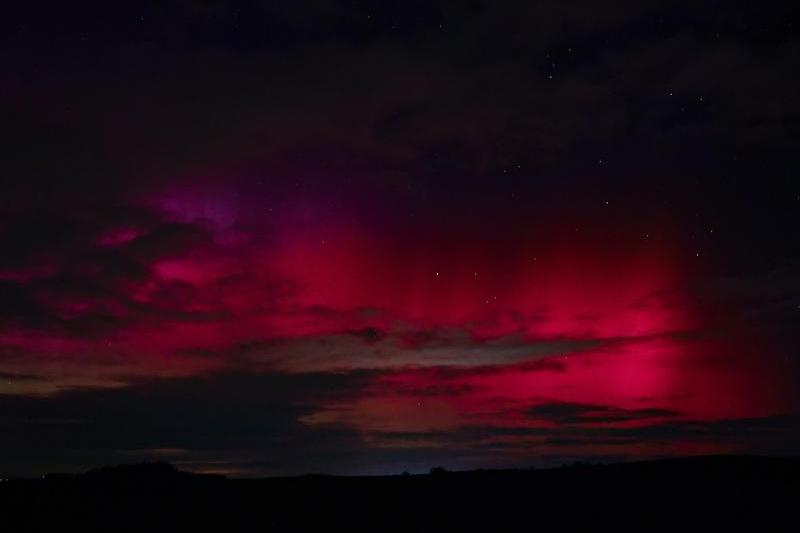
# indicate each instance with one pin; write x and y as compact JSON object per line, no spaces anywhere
{"x":220,"y":416}
{"x":448,"y":352}
{"x":777,"y":434}
{"x":564,"y":414}
{"x":9,"y":376}
{"x":19,"y":306}
{"x":250,"y":424}
{"x":169,"y":240}
{"x":54,"y":264}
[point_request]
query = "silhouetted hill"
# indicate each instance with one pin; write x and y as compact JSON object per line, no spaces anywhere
{"x":150,"y":473}
{"x":712,"y":492}
{"x":143,"y":472}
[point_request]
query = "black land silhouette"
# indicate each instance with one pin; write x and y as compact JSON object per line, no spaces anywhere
{"x":712,"y":492}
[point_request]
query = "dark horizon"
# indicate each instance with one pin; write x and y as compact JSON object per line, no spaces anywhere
{"x":266,"y":238}
{"x":159,"y":471}
{"x":720,"y":491}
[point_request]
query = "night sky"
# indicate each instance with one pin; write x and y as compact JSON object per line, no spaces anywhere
{"x":264,"y":238}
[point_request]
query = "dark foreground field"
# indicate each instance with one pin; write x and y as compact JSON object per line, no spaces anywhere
{"x":680,"y":494}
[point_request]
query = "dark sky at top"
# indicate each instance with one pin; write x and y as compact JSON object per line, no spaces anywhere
{"x":266,"y":238}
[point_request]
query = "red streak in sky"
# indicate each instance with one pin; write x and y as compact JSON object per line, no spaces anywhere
{"x":463,"y":330}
